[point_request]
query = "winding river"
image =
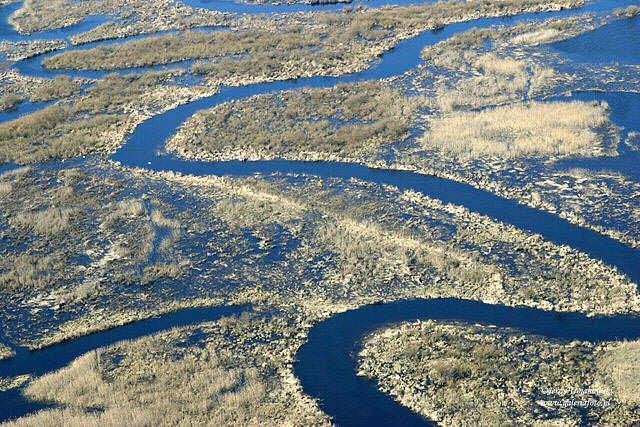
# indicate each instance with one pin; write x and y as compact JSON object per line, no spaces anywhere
{"x":326,"y":366}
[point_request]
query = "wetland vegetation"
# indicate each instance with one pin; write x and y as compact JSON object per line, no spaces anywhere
{"x":227,"y":372}
{"x":88,"y":243}
{"x":458,"y":374}
{"x":344,"y":258}
{"x":527,"y":130}
{"x":320,"y":44}
{"x":96,"y":121}
{"x":340,"y":122}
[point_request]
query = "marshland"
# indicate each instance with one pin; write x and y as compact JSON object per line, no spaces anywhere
{"x":197,"y":197}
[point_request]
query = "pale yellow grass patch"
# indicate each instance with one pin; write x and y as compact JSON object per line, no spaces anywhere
{"x":493,"y":64}
{"x":534,"y":129}
{"x":536,"y":37}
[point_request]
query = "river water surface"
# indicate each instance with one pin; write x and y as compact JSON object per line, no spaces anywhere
{"x":326,"y":366}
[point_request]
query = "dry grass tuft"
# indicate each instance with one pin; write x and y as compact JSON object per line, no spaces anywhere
{"x":493,"y":64}
{"x":50,"y":221}
{"x":160,"y":271}
{"x":536,"y":37}
{"x":125,"y":209}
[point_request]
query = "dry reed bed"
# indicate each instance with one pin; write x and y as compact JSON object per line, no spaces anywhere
{"x":535,"y":129}
{"x":468,"y":45}
{"x":373,"y":255}
{"x":71,"y":239}
{"x":621,"y":364}
{"x":235,"y":371}
{"x":500,"y":65}
{"x":362,"y":35}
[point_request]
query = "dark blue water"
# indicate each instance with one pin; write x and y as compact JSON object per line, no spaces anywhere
{"x":326,"y":365}
{"x":36,"y":363}
{"x":616,"y":42}
{"x":624,"y":113}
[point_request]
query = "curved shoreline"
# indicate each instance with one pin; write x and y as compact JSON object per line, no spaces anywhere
{"x":39,"y":362}
{"x":325,"y":364}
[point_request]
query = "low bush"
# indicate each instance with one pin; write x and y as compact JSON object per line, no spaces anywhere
{"x":50,"y":221}
{"x":59,"y":87}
